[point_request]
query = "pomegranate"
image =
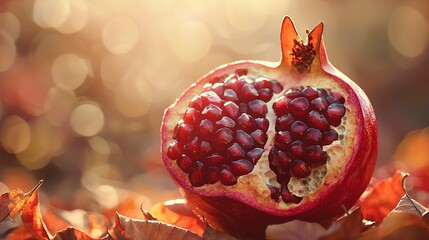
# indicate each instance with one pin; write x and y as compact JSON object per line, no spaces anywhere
{"x":254,"y":143}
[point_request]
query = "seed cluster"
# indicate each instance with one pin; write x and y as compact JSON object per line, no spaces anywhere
{"x":303,"y":126}
{"x":222,"y":134}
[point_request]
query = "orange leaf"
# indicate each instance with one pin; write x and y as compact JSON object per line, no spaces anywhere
{"x":14,"y":201}
{"x":176,"y":212}
{"x":24,"y":232}
{"x":72,"y":233}
{"x":31,"y":216}
{"x":383,"y":197}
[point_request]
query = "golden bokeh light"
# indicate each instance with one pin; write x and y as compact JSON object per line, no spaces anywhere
{"x":247,"y":16}
{"x":100,"y":145}
{"x":77,"y":17}
{"x":69,"y":71}
{"x":51,"y":13}
{"x":7,"y":50}
{"x":15,"y":134}
{"x":87,"y":119}
{"x":10,"y":23}
{"x":58,"y":105}
{"x":120,"y":35}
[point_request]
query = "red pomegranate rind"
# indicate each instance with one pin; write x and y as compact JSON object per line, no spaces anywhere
{"x":247,"y":207}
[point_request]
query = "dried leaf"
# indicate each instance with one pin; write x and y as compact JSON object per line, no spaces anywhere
{"x":14,"y":201}
{"x":212,"y":234}
{"x":176,"y":212}
{"x":383,"y":197}
{"x":350,"y":227}
{"x":296,"y":230}
{"x":409,"y":205}
{"x":74,"y":234}
{"x":129,"y":228}
{"x":24,"y":232}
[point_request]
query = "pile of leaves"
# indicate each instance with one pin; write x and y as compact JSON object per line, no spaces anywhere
{"x":385,"y":211}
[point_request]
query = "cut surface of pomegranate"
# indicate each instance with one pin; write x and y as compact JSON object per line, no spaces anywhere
{"x":255,"y":143}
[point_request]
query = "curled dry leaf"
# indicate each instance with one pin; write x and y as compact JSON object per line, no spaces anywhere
{"x":409,"y":205}
{"x":297,"y":230}
{"x":383,"y":197}
{"x":74,"y":234}
{"x":176,"y":212}
{"x":213,"y":234}
{"x":348,"y":227}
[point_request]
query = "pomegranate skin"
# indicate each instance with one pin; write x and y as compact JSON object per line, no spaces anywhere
{"x":243,"y":210}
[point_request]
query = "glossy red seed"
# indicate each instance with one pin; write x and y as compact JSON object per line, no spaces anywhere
{"x":280,"y":106}
{"x":282,"y":139}
{"x":183,"y":132}
{"x":299,"y":168}
{"x":197,"y":175}
{"x":276,"y":86}
{"x":241,"y":71}
{"x":210,"y":97}
{"x":207,"y":87}
{"x":215,"y":159}
{"x":212,"y":112}
{"x":212,"y":175}
{"x":205,"y":128}
{"x":317,"y":120}
{"x":254,"y":155}
{"x":312,"y":137}
{"x":218,"y":88}
{"x":222,"y":138}
{"x":225,"y":122}
{"x":205,"y":148}
{"x":242,"y":107}
{"x":192,"y":149}
{"x":298,"y":128}
{"x":231,"y":110}
{"x":310,"y":93}
{"x":240,"y":167}
{"x":174,"y":150}
{"x":263,"y":83}
{"x":247,"y":93}
{"x":244,"y":139}
{"x":235,"y":152}
{"x":296,"y":149}
{"x":246,"y":122}
{"x":257,"y":108}
{"x":226,"y":177}
{"x":287,"y":196}
{"x":334,"y":113}
{"x":329,"y":137}
{"x":196,"y":103}
{"x":293,"y":93}
{"x":231,"y":82}
{"x":322,"y":92}
{"x":275,"y":192}
{"x":284,"y":122}
{"x":185,"y":163}
{"x":265,"y":94}
{"x":298,"y":106}
{"x":282,"y":160}
{"x":262,"y":123}
{"x":335,"y":97}
{"x":191,"y":116}
{"x":230,"y":95}
{"x":314,"y":154}
{"x":319,"y":104}
{"x":260,"y":137}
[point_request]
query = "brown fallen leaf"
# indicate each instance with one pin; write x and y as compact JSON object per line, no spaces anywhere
{"x":350,"y":227}
{"x":24,"y":232}
{"x":71,"y":233}
{"x":409,"y":205}
{"x":31,"y":216}
{"x":383,"y":197}
{"x":212,"y":234}
{"x":296,"y":230}
{"x":14,"y":201}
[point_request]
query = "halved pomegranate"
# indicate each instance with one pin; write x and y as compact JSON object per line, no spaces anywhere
{"x":255,"y":143}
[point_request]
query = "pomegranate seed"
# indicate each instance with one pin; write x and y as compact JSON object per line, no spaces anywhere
{"x":215,"y":160}
{"x":235,"y":152}
{"x":260,"y":137}
{"x":231,"y":83}
{"x":262,"y":123}
{"x":183,"y":132}
{"x":280,"y":106}
{"x":334,"y":113}
{"x":282,"y":139}
{"x":298,"y":106}
{"x":207,"y":87}
{"x":288,"y":197}
{"x":210,"y":97}
{"x":196,"y":103}
{"x":317,"y":120}
{"x":175,"y":150}
{"x":212,"y":175}
{"x":226,"y":122}
{"x":191,"y":116}
{"x":319,"y":104}
{"x":246,"y":122}
{"x":312,"y":136}
{"x":258,"y":108}
{"x":222,"y":138}
{"x":322,"y":92}
{"x":297,"y":149}
{"x":212,"y":112}
{"x":244,"y":139}
{"x":230,"y":95}
{"x":197,"y":175}
{"x":275,"y":192}
{"x":282,"y":160}
{"x":192,"y":149}
{"x":263,"y":83}
{"x":227,"y":178}
{"x":329,"y":137}
{"x":205,"y":128}
{"x":314,"y":154}
{"x":240,"y":167}
{"x":265,"y":94}
{"x":241,"y":71}
{"x":242,"y":107}
{"x":283,"y":178}
{"x":298,"y":128}
{"x":299,"y":168}
{"x":293,"y":93}
{"x":335,"y":97}
{"x":205,"y":148}
{"x":283,"y":122}
{"x":231,"y":109}
{"x":310,"y":93}
{"x":254,"y":154}
{"x":277,"y":87}
{"x":185,"y":163}
{"x":248,"y":93}
{"x":218,"y":88}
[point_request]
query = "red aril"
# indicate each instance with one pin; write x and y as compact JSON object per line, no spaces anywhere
{"x":253,"y":143}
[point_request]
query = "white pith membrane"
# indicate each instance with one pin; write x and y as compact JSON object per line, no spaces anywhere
{"x":255,"y":183}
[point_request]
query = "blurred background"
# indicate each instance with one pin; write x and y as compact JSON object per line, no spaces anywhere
{"x":83,"y":83}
